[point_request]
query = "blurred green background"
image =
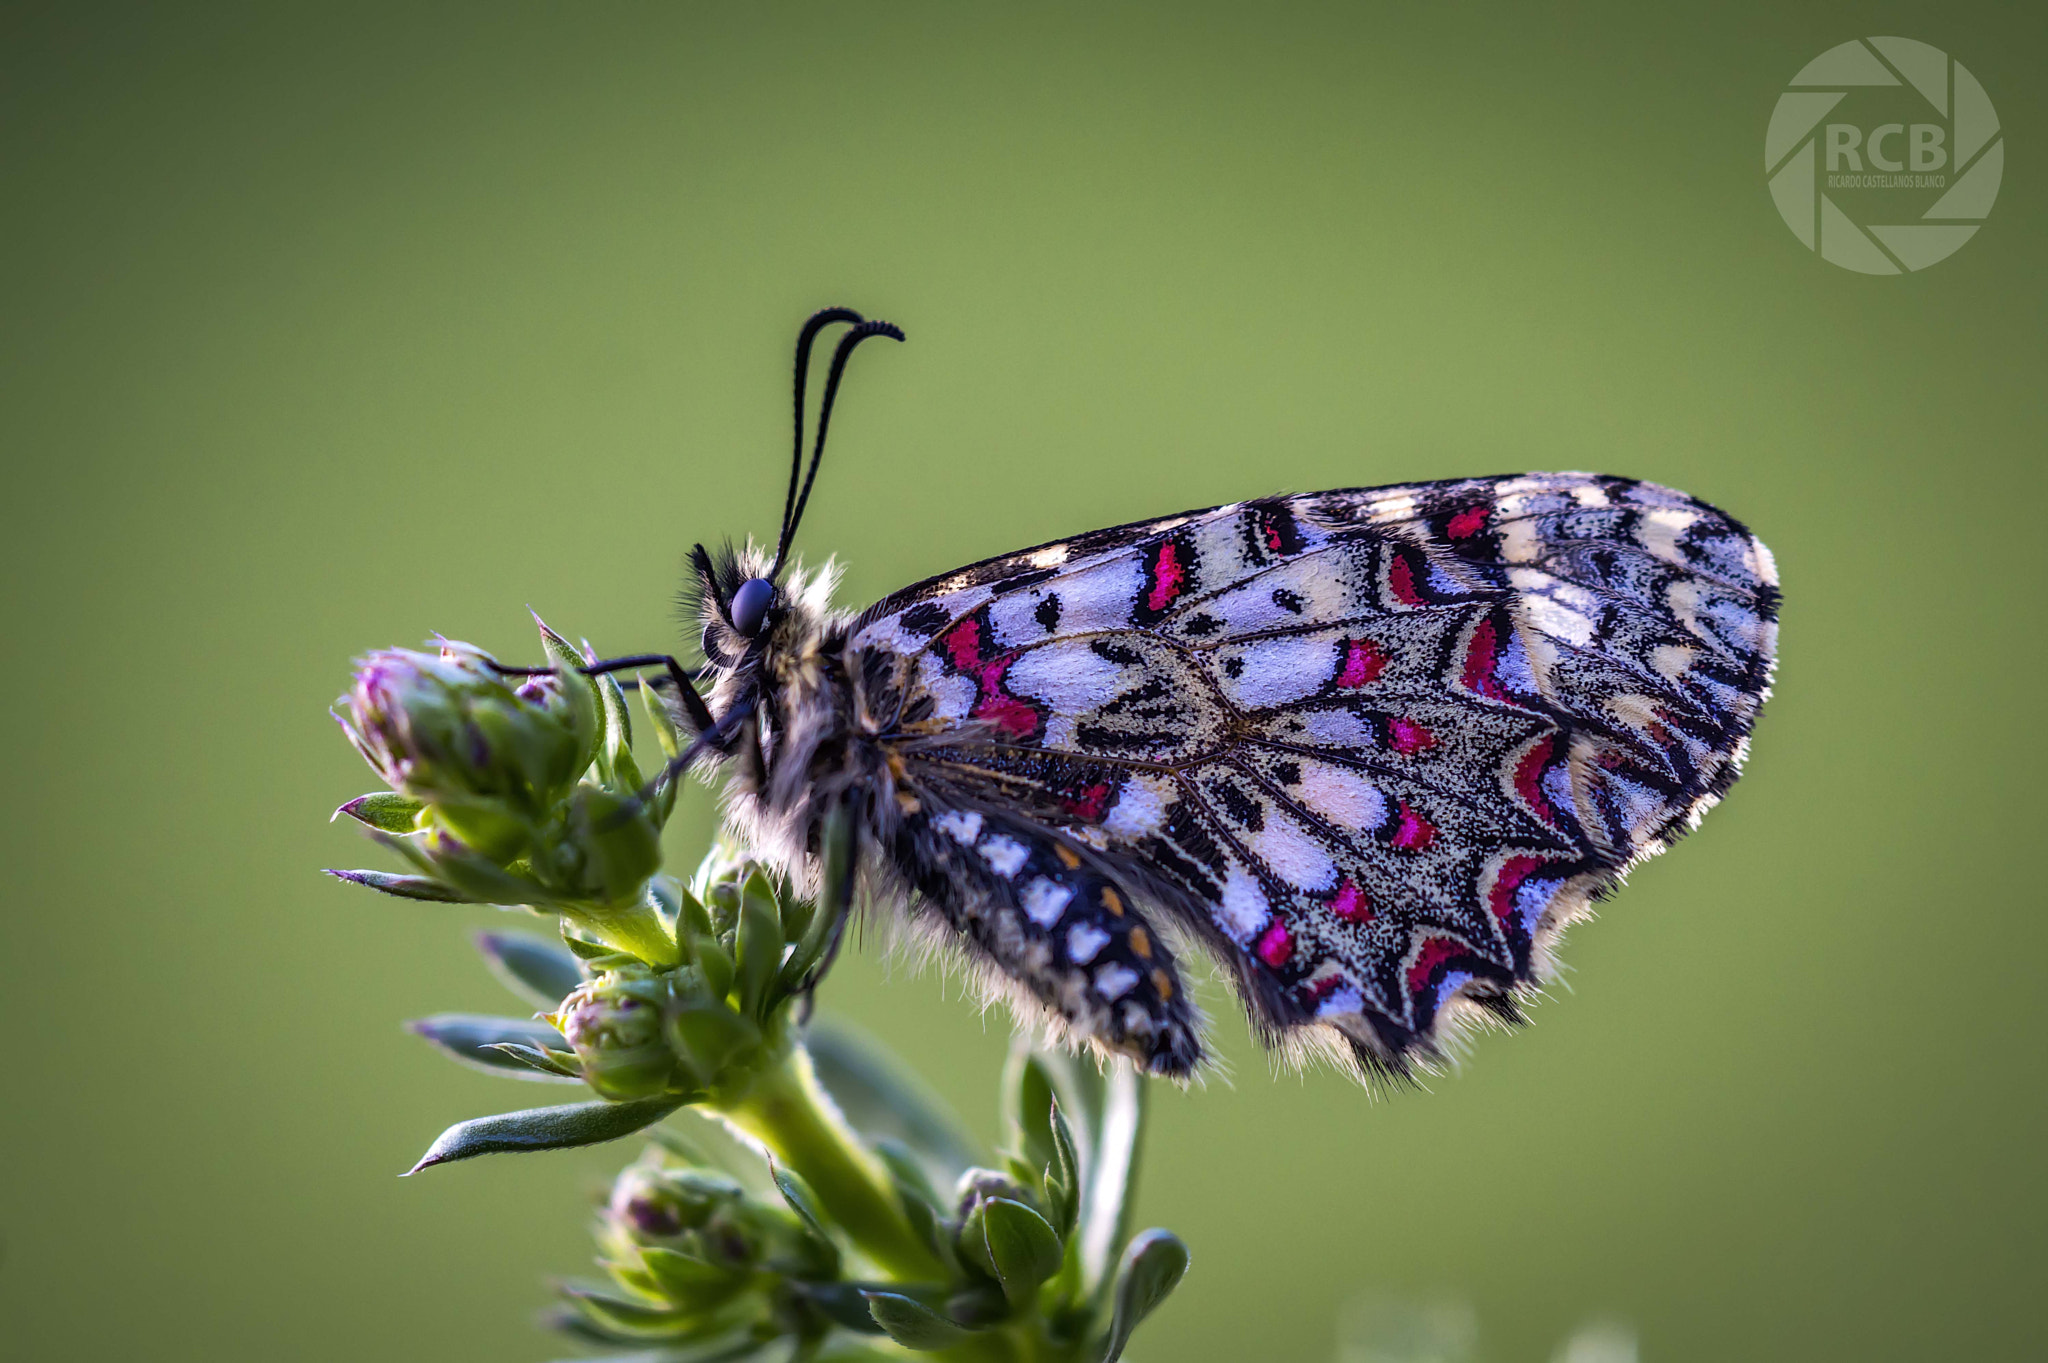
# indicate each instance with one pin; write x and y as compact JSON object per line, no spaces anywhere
{"x":329,"y":327}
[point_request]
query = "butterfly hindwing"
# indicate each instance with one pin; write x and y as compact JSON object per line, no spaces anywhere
{"x":1372,"y":747}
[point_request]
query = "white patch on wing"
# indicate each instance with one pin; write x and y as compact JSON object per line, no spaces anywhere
{"x":1243,"y":910}
{"x":1293,"y":854}
{"x":1084,"y":940}
{"x":961,"y":825}
{"x":1337,"y":729}
{"x":1658,"y":532}
{"x":1341,"y":796}
{"x":1052,"y":556}
{"x":952,"y":697}
{"x":1114,"y":981}
{"x":1138,"y":811}
{"x":1070,"y":677}
{"x":1004,"y":854}
{"x":1519,"y":542}
{"x":1100,"y":595}
{"x":1280,"y":671}
{"x":1558,"y":620}
{"x":1045,"y":900}
{"x":1014,"y":619}
{"x":1672,"y":660}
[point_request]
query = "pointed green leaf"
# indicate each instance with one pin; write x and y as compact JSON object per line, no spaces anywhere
{"x":1107,"y":1204}
{"x":615,"y":750}
{"x":693,"y":1282}
{"x":385,"y":810}
{"x":921,"y":1202}
{"x":545,"y":1128}
{"x":1023,"y":1247}
{"x":476,"y":1040}
{"x":539,"y":971}
{"x":911,"y":1323}
{"x":1151,"y":1268}
{"x":549,"y":1063}
{"x":624,"y":1316}
{"x":800,"y":1198}
{"x":1028,"y":1108}
{"x":1063,"y":1175}
{"x":585,"y":708}
{"x":758,"y":944}
{"x":405,"y":887}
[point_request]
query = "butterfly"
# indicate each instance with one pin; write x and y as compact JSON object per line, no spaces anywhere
{"x":1370,"y":749}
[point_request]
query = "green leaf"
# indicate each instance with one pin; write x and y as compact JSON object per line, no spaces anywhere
{"x":800,"y":1198}
{"x":475,"y":1039}
{"x":1028,"y":1108}
{"x":881,"y":1097}
{"x":537,"y":970}
{"x":911,"y":1323}
{"x":694,"y":1282}
{"x":833,"y":891}
{"x":1106,"y":1196}
{"x":405,"y":887}
{"x":921,"y":1202}
{"x":585,"y":708}
{"x":385,"y":810}
{"x":1063,"y":1175}
{"x":1024,"y":1248}
{"x":615,"y":750}
{"x":560,"y":1064}
{"x":842,"y":1302}
{"x":624,"y":1316}
{"x":1152,"y":1267}
{"x":545,"y":1128}
{"x":716,"y":964}
{"x":708,"y":1035}
{"x":758,"y":944}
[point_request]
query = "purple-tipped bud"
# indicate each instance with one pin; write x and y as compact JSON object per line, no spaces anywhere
{"x":613,"y":1023}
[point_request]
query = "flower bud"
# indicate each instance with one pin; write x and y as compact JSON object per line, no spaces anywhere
{"x":613,"y":1023}
{"x":450,"y":731}
{"x":652,"y":1205}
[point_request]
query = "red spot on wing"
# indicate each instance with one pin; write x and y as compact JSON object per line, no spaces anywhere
{"x":1273,"y":541}
{"x":1467,"y":523}
{"x":1088,"y":805}
{"x":1350,"y":903}
{"x":1363,"y":662}
{"x":964,"y":644}
{"x":1401,"y":581}
{"x":1275,"y":945}
{"x":1318,"y":990}
{"x":1501,"y":898}
{"x":1408,"y":737}
{"x":1433,"y":953}
{"x":1015,"y":717}
{"x":1414,"y":832}
{"x":1480,"y":656}
{"x":1169,"y":576}
{"x":1529,"y":781}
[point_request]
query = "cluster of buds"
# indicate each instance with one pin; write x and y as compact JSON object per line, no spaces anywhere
{"x":1017,"y":1268}
{"x":873,"y":1225}
{"x":511,"y":789}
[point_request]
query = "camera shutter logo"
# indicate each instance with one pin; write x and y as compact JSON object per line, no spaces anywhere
{"x":1881,"y":168}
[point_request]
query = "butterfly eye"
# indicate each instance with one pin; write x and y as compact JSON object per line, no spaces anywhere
{"x":750,"y":605}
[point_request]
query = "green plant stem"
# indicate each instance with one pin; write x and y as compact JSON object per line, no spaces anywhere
{"x":787,"y":1110}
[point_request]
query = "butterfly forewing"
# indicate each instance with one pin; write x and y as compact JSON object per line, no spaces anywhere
{"x":1373,"y":747}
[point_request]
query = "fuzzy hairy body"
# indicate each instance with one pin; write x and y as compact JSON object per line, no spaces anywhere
{"x":1371,"y":749}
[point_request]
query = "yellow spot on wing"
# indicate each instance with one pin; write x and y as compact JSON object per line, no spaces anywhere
{"x":1112,"y":902}
{"x":1141,"y":943}
{"x":1066,"y":854}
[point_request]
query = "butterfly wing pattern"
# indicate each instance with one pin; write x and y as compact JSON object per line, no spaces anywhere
{"x":1372,"y":748}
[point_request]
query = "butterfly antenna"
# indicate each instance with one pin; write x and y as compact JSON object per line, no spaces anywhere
{"x":845,"y":350}
{"x":805,"y":339}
